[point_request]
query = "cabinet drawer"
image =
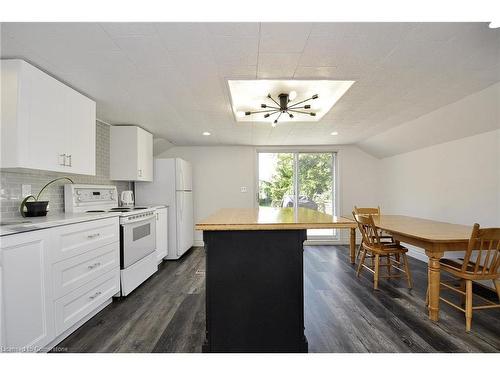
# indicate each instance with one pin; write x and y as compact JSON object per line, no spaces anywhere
{"x":80,"y":302}
{"x":79,"y":238}
{"x":72,"y":273}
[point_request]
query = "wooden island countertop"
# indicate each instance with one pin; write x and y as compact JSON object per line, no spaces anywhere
{"x":271,"y":218}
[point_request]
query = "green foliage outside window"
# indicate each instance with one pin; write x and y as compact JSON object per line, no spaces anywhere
{"x":315,"y":180}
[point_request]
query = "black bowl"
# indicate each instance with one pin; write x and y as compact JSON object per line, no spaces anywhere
{"x":38,"y":208}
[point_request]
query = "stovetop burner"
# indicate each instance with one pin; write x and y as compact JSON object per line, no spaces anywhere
{"x":95,"y":211}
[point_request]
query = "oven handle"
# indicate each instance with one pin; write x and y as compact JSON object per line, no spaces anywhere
{"x":149,"y":218}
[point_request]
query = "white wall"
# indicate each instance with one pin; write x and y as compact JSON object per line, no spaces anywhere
{"x":457,"y":182}
{"x":220,"y":172}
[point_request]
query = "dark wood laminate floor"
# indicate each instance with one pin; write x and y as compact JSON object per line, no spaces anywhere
{"x":342,"y":313}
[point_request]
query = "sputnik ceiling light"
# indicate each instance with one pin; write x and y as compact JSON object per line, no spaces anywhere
{"x":285,"y":107}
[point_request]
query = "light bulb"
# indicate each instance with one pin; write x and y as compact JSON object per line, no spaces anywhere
{"x":494,"y":25}
{"x":206,"y":133}
{"x":334,"y":133}
{"x":292,"y":95}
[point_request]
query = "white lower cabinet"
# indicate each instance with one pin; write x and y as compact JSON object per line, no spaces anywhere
{"x":161,"y":233}
{"x":45,"y":291}
{"x":72,"y":273}
{"x":27,"y":301}
{"x":77,"y":304}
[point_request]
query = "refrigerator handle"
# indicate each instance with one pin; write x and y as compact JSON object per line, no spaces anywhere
{"x":182,"y":206}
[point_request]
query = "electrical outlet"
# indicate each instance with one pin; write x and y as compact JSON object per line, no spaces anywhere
{"x":25,"y":190}
{"x":243,"y":189}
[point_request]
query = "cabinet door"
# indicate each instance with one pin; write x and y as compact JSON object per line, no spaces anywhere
{"x":81,"y":129}
{"x":47,"y":128}
{"x":161,"y":233}
{"x":144,"y":155}
{"x":28,"y":321}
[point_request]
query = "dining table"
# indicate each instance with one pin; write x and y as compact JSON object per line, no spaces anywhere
{"x":434,"y":237}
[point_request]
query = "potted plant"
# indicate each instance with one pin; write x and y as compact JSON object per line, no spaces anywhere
{"x":37,"y":207}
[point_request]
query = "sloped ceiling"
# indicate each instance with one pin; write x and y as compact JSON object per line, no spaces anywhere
{"x":474,"y":114}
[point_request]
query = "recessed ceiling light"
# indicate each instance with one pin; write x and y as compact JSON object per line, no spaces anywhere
{"x":334,"y":133}
{"x":207,"y":133}
{"x":494,"y":25}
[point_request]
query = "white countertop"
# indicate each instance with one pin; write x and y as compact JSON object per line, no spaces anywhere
{"x":28,"y":224}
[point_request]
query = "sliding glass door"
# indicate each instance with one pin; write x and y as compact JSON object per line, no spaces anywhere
{"x":299,"y":179}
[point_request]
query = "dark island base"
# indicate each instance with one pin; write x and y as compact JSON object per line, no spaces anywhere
{"x":255,"y":291}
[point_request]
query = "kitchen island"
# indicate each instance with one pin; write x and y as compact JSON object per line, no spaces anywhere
{"x":254,"y":277}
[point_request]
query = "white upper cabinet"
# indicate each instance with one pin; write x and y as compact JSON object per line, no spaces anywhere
{"x":46,"y":125}
{"x":131,"y":154}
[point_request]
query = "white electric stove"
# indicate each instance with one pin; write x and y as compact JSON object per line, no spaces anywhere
{"x":137,"y":230}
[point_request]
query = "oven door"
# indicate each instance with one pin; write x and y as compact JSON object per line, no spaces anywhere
{"x":138,"y":239}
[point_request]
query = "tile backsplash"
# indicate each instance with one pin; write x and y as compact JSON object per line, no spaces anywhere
{"x":10,"y":182}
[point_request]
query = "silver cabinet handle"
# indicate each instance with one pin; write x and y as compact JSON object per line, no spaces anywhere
{"x":140,"y":172}
{"x":63,"y":156}
{"x":94,"y":235}
{"x":97,"y":294}
{"x":92,"y":266}
{"x":157,"y":217}
{"x":70,"y":161}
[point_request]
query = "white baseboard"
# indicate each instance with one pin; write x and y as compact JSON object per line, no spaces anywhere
{"x":198,"y":243}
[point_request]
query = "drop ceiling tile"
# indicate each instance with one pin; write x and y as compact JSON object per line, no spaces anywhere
{"x":237,"y":71}
{"x":233,"y":28}
{"x":228,"y":50}
{"x":128,"y":29}
{"x":441,"y":31}
{"x":145,"y":50}
{"x":87,"y":35}
{"x":284,"y":37}
{"x":275,"y":72}
{"x":187,"y":37}
{"x":305,"y":72}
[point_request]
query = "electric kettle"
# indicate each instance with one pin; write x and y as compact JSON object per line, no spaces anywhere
{"x":127,"y":198}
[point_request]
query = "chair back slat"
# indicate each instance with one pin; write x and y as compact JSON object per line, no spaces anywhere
{"x":483,"y":252}
{"x":368,"y":230}
{"x":367,"y":210}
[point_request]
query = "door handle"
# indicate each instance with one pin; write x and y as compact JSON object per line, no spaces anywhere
{"x":63,"y":156}
{"x":97,"y":294}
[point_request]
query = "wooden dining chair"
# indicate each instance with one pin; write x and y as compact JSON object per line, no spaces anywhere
{"x":373,"y":245}
{"x":481,"y":262}
{"x":370,"y":211}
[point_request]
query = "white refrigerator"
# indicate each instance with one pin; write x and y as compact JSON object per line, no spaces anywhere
{"x":171,"y":186}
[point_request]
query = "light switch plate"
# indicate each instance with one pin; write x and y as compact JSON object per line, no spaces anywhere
{"x":25,"y":190}
{"x":243,"y":189}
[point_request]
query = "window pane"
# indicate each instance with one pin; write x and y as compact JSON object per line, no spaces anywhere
{"x":275,"y":179}
{"x":315,"y":178}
